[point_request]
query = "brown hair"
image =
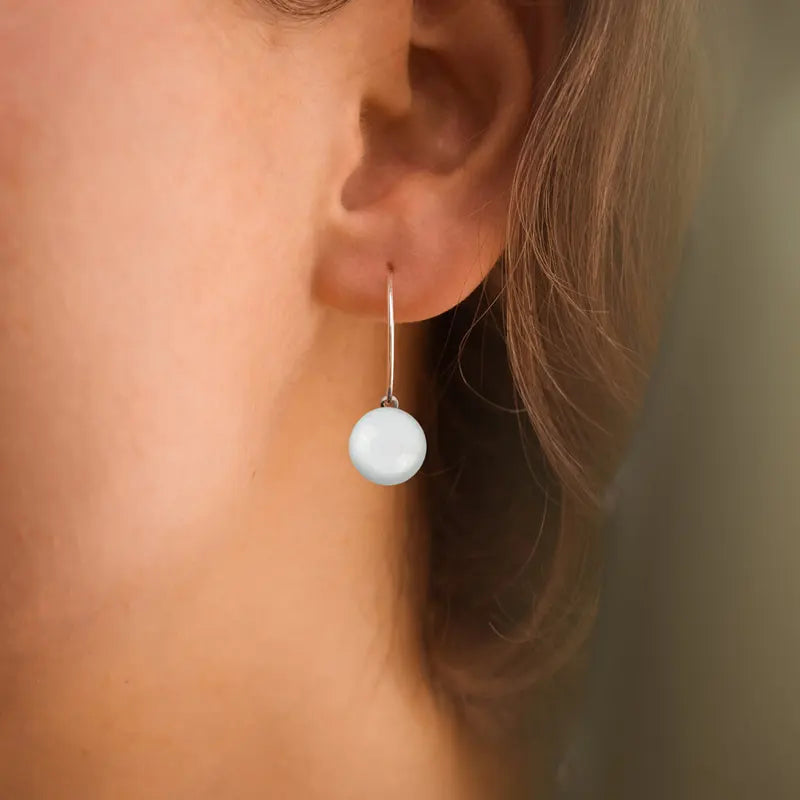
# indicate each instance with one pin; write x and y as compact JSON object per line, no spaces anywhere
{"x":540,"y":373}
{"x":536,"y":377}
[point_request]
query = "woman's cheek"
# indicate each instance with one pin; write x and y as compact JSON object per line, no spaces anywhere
{"x":153,"y":293}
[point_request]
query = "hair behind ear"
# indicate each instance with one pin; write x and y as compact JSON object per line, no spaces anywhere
{"x":536,"y":393}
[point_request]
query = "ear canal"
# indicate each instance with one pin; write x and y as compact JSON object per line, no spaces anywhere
{"x":446,"y":120}
{"x":443,"y":125}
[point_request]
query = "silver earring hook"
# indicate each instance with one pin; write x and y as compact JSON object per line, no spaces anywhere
{"x":390,"y":399}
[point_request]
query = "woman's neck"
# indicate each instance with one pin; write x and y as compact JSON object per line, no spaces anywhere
{"x":283,"y":656}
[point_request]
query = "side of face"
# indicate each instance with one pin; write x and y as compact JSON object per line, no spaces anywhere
{"x":162,"y":169}
{"x":185,"y":186}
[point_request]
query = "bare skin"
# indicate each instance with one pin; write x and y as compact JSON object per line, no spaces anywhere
{"x":199,"y":596}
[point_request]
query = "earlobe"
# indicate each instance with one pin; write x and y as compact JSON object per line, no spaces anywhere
{"x":430,"y":193}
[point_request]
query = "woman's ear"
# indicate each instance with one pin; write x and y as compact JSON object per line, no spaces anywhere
{"x":430,"y":192}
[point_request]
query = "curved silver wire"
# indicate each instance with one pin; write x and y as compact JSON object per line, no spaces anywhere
{"x":390,"y":399}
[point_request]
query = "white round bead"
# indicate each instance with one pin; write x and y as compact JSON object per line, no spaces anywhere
{"x":387,"y":446}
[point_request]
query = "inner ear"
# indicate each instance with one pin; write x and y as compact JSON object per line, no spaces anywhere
{"x":446,"y":121}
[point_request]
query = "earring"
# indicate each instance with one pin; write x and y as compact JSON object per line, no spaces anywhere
{"x":387,"y":445}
